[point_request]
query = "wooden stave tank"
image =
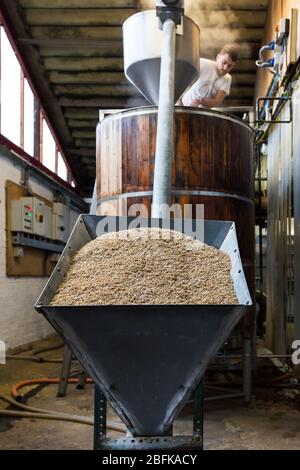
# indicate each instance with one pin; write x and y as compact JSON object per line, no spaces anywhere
{"x":213,"y":166}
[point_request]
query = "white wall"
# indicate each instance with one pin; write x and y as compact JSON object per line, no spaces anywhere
{"x":283,"y":242}
{"x":19,"y":322}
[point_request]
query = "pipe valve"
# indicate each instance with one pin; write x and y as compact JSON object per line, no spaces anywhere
{"x":170,"y":9}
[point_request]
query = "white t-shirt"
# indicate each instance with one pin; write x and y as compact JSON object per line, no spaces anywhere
{"x":208,"y":83}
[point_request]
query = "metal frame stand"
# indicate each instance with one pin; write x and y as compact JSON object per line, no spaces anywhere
{"x":65,"y":374}
{"x":166,"y":442}
{"x":247,"y":369}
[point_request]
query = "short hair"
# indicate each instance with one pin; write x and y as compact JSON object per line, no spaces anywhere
{"x":231,"y":51}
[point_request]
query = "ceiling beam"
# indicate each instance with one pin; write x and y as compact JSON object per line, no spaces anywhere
{"x":99,"y":78}
{"x":210,"y":34}
{"x":243,"y":79}
{"x":83,"y":113}
{"x":70,"y":32}
{"x":76,"y":64}
{"x":245,"y":50}
{"x":78,"y":4}
{"x":86,"y":134}
{"x":96,"y":90}
{"x":97,"y":64}
{"x":230,"y":18}
{"x":85,"y":143}
{"x":82,"y":124}
{"x":75,"y":47}
{"x":104,"y":103}
{"x":245,"y":65}
{"x":221,"y":36}
{"x":104,"y":50}
{"x":82,"y":152}
{"x":242,"y":91}
{"x":226,"y":5}
{"x":77,"y":17}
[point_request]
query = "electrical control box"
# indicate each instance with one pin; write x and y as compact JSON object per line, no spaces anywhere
{"x":31,"y":215}
{"x":61,"y":222}
{"x":22,"y":215}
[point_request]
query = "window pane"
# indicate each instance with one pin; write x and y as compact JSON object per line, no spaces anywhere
{"x":28,"y":118}
{"x":10,"y":91}
{"x":61,"y":168}
{"x":48,"y":148}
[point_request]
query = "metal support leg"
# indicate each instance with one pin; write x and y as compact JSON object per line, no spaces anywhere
{"x":198,"y":414}
{"x":82,"y":380}
{"x":65,"y":372}
{"x":247,"y":369}
{"x":99,"y":418}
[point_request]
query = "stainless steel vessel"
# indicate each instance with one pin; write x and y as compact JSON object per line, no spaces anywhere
{"x":143,"y":39}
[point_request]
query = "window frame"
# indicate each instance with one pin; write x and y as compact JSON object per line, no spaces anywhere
{"x":39,"y":115}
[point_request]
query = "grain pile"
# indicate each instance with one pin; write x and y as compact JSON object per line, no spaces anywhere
{"x":147,"y":266}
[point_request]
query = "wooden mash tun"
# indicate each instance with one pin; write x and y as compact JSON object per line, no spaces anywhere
{"x":147,"y":360}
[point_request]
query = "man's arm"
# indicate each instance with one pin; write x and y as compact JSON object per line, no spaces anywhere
{"x":179,"y":102}
{"x":217,"y":100}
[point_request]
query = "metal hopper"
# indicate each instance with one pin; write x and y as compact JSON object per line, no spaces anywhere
{"x":146,"y":359}
{"x":143,"y":42}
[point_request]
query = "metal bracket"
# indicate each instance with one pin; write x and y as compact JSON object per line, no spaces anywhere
{"x":167,"y":442}
{"x":33,"y":241}
{"x":273,"y":121}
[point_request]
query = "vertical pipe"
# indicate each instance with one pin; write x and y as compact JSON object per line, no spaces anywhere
{"x":260,"y":221}
{"x":247,"y":369}
{"x":165,"y":122}
{"x":65,"y":372}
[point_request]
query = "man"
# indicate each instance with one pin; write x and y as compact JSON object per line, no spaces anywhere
{"x":213,"y":84}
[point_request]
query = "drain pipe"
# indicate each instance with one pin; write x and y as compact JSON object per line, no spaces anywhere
{"x":170,"y":14}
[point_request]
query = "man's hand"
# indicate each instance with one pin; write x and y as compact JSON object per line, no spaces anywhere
{"x":217,"y":100}
{"x":196,"y":103}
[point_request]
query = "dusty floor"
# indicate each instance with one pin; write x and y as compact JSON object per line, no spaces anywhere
{"x":272,"y":421}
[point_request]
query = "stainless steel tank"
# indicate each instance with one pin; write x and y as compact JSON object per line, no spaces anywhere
{"x":143,"y":38}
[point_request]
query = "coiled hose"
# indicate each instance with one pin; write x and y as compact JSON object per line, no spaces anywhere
{"x":40,"y":413}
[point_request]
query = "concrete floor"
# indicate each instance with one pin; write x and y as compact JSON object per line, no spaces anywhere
{"x":272,"y":421}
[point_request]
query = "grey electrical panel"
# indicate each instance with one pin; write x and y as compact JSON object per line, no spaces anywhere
{"x":31,"y":215}
{"x":22,"y":215}
{"x":61,"y":222}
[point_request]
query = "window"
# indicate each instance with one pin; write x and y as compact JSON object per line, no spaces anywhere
{"x":10,"y":91}
{"x":62,"y":170}
{"x":17,"y":113}
{"x":48,"y":147}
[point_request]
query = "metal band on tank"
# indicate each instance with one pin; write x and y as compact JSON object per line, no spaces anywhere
{"x":178,"y":109}
{"x":177,"y":193}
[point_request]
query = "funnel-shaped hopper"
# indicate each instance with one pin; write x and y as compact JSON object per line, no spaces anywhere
{"x":147,"y":359}
{"x":142,"y":40}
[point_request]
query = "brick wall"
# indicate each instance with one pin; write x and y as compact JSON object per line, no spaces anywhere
{"x":19,"y":322}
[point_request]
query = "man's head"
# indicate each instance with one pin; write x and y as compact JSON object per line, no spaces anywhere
{"x":226,"y":59}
